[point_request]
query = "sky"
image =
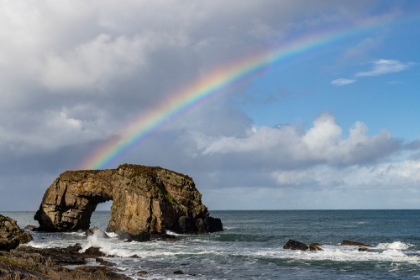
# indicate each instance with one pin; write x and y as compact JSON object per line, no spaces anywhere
{"x":333,"y":123}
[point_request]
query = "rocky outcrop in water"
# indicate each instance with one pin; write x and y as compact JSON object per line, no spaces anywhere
{"x":146,"y":200}
{"x":297,"y":245}
{"x":11,"y":235}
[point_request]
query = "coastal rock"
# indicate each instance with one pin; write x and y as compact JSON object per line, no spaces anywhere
{"x":315,"y":247}
{"x":49,"y":263}
{"x":146,"y":200}
{"x":295,"y":245}
{"x":11,"y":235}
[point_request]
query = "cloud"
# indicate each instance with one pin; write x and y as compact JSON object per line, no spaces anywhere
{"x":385,"y":66}
{"x":381,"y":176}
{"x":93,"y":63}
{"x":75,"y":72}
{"x":291,"y":146}
{"x":342,"y":82}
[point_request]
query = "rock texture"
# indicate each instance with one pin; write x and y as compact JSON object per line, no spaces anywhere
{"x":11,"y":235}
{"x":146,"y":200}
{"x":35,"y":263}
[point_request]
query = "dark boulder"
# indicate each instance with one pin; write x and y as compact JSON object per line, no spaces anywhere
{"x":214,"y":224}
{"x":295,"y":245}
{"x":93,"y":252}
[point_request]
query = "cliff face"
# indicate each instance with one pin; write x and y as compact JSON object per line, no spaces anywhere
{"x":146,"y":200}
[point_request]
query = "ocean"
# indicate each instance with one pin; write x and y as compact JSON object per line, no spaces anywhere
{"x":251,"y":246}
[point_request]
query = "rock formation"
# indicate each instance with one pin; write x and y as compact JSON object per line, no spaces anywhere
{"x":11,"y":235}
{"x":297,"y":245}
{"x":28,"y":263}
{"x":146,"y":200}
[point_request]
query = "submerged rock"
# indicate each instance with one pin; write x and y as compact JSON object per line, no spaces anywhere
{"x":146,"y":200}
{"x":11,"y":235}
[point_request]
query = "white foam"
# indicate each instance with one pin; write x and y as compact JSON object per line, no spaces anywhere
{"x":172,"y":233}
{"x":343,"y":253}
{"x":108,"y":246}
{"x":112,"y":234}
{"x":78,"y":233}
{"x":397,"y":245}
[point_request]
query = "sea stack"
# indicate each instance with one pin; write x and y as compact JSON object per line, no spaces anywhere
{"x":146,"y":200}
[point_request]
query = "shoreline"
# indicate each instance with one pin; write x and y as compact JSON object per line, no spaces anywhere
{"x":27,"y":262}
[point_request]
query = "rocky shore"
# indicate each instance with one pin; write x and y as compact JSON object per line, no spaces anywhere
{"x":147,"y":201}
{"x":20,"y":262}
{"x":27,"y":262}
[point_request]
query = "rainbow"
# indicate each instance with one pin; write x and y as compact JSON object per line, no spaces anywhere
{"x":212,"y":85}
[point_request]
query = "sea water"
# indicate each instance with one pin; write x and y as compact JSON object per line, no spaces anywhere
{"x":251,"y":246}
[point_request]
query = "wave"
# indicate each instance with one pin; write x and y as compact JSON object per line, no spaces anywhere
{"x":396,"y":245}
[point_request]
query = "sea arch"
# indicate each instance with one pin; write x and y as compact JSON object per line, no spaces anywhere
{"x":145,"y":200}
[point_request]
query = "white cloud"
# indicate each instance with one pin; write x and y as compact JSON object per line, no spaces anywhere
{"x":290,"y":145}
{"x":342,"y":82}
{"x":385,"y":66}
{"x":381,"y":176}
{"x":94,"y":63}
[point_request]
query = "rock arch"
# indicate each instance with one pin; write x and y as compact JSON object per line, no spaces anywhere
{"x":146,"y":200}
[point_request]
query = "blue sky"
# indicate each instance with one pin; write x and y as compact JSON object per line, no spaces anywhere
{"x":332,"y":128}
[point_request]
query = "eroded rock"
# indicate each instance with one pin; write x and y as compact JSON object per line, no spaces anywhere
{"x":11,"y":235}
{"x":146,"y":200}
